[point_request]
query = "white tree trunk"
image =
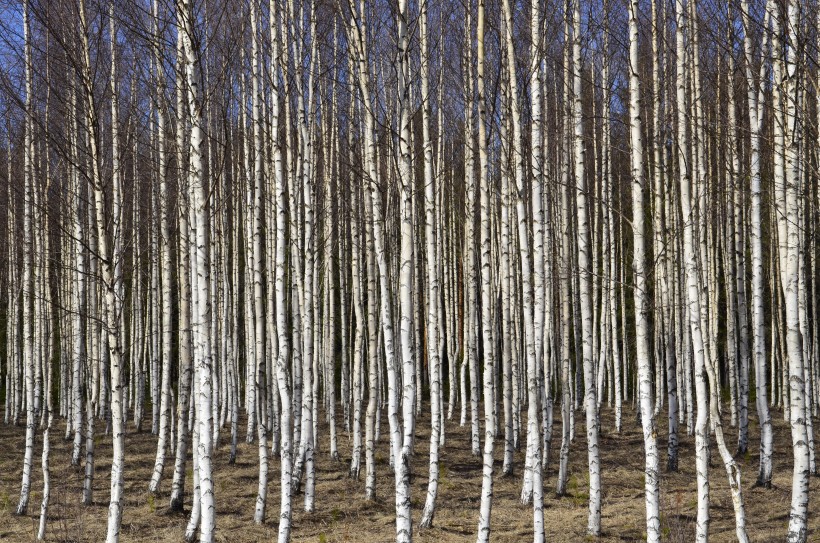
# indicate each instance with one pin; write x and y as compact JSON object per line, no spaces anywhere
{"x":487,"y":339}
{"x":584,"y":280}
{"x":202,"y":311}
{"x":431,"y":240}
{"x":692,"y":292}
{"x":652,"y":465}
{"x":282,"y":361}
{"x":165,"y":249}
{"x":787,"y":202}
{"x":28,"y":274}
{"x":764,"y":477}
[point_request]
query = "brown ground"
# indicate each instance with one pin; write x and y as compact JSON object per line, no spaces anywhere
{"x":342,"y":514}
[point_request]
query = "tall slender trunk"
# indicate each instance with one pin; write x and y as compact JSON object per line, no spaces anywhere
{"x":165,"y":273}
{"x":764,"y":476}
{"x":431,"y":240}
{"x":487,"y":339}
{"x":652,"y":465}
{"x":787,"y":200}
{"x":584,"y":282}
{"x":201,"y":242}
{"x":28,"y":274}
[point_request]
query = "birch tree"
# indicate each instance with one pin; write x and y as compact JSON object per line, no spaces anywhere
{"x":652,"y":467}
{"x":200,"y":241}
{"x":254,"y":215}
{"x":28,"y":278}
{"x":584,"y":280}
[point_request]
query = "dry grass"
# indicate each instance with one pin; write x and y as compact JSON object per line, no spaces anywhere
{"x":342,"y":514}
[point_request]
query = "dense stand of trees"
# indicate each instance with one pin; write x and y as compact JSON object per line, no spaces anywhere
{"x":317,"y":215}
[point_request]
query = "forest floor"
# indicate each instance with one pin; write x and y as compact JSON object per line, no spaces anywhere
{"x":343,"y":515}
